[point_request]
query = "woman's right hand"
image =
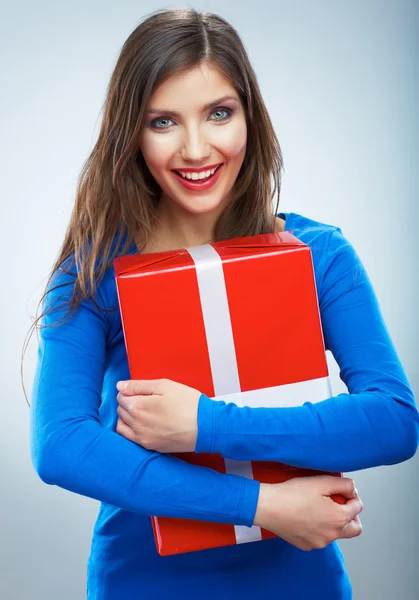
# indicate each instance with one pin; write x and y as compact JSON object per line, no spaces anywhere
{"x":301,"y":511}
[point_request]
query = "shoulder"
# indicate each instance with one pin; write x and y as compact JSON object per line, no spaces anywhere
{"x":303,"y":225}
{"x":69,"y":271}
{"x":64,"y":288}
{"x":332,"y":253}
{"x":316,"y":234}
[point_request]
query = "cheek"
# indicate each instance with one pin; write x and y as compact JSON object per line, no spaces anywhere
{"x":157,"y":150}
{"x":232,"y":141}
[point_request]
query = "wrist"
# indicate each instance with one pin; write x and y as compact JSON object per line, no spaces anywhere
{"x":262,"y":505}
{"x":205,"y":425}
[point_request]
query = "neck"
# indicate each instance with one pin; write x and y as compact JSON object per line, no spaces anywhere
{"x":183,"y":228}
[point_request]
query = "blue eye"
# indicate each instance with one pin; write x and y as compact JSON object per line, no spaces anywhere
{"x":154,"y":123}
{"x":226,"y":110}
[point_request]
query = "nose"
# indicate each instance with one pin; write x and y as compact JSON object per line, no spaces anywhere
{"x":195,"y":146}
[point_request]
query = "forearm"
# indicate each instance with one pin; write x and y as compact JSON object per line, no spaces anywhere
{"x":87,"y":459}
{"x":347,"y":432}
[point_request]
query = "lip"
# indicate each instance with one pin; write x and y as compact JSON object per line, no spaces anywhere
{"x":199,"y":187}
{"x":208,"y":168}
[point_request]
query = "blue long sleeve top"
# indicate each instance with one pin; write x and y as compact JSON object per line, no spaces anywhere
{"x":74,"y":443}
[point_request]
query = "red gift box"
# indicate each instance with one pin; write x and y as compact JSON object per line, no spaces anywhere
{"x":239,"y":321}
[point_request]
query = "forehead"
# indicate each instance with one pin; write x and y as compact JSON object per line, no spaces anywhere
{"x":192,"y":89}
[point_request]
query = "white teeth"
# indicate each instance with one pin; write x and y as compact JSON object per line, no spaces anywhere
{"x":202,"y":175}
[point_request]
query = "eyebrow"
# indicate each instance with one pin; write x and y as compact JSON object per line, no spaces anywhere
{"x":160,"y":111}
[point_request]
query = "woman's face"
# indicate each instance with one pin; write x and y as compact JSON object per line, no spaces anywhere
{"x":182,"y":132}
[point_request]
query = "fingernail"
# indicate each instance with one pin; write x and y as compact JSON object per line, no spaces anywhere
{"x":355,"y":492}
{"x":122,"y":386}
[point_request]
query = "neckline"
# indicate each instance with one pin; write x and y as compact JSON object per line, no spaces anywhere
{"x":284,"y":215}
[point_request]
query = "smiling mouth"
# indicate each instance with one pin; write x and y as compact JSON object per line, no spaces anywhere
{"x":200,"y":180}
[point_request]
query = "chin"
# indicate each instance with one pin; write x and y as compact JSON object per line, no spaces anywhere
{"x":204,"y":209}
{"x":199,"y":205}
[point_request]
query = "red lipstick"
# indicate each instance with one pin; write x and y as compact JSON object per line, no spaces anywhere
{"x":194,"y":185}
{"x":190,"y":170}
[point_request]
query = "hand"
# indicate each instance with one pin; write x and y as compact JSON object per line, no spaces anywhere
{"x":159,"y":414}
{"x":301,"y":511}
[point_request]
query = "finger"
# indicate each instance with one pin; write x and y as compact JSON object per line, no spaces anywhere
{"x":339,"y":485}
{"x":352,"y":529}
{"x":141,"y":386}
{"x":353,"y":507}
{"x":127,"y":402}
{"x":133,"y":404}
{"x":124,"y":430}
{"x":125,"y":415}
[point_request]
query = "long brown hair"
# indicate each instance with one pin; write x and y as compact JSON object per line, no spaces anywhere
{"x":116,"y":194}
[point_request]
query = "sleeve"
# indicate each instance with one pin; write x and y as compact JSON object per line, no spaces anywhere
{"x":70,"y":449}
{"x":376,"y":423}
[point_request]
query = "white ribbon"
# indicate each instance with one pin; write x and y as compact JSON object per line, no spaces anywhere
{"x":224,"y":370}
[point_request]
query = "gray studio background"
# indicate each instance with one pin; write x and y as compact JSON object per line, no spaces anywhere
{"x":340,"y":80}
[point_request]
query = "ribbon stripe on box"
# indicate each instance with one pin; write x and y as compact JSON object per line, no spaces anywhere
{"x":222,"y":356}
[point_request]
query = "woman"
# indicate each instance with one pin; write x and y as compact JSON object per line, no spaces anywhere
{"x":183,"y":96}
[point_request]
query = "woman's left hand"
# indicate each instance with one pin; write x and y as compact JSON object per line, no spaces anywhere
{"x":159,"y":414}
